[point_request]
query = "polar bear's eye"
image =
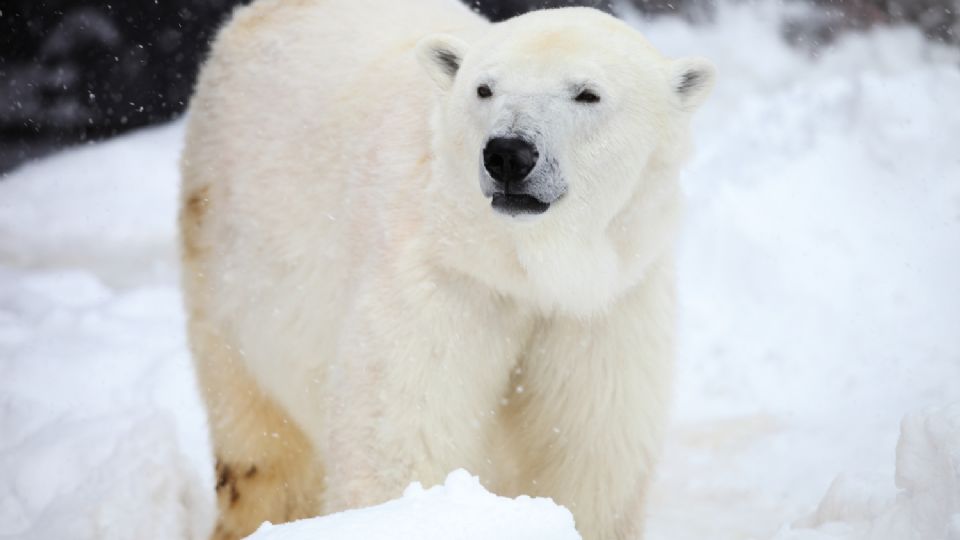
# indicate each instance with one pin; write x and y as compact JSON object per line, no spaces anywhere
{"x":587,"y":96}
{"x":483,"y":91}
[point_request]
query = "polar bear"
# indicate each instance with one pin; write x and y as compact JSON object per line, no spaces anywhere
{"x":415,"y":241}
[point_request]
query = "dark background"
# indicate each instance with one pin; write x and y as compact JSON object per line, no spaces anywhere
{"x":78,"y":70}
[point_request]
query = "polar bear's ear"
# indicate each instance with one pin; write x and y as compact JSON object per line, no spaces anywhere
{"x":692,"y":80}
{"x":441,"y":55}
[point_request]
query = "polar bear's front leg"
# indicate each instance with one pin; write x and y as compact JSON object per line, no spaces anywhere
{"x":416,"y":386}
{"x":594,"y":401}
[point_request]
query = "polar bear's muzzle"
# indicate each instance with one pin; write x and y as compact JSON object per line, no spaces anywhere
{"x":516,"y":179}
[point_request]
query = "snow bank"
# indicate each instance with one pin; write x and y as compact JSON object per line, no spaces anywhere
{"x":927,"y":506}
{"x":102,"y":435}
{"x":459,"y":509}
{"x":819,"y":271}
{"x":106,"y":207}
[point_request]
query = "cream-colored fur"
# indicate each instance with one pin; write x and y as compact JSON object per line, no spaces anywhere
{"x":361,"y":318}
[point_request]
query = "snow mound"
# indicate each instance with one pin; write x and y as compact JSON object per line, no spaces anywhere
{"x":108,"y":206}
{"x":120,"y":483}
{"x":102,"y":434}
{"x":101,"y":431}
{"x":460,"y":509}
{"x":927,"y":506}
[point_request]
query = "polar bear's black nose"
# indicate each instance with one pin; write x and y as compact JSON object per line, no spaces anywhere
{"x":509,"y":160}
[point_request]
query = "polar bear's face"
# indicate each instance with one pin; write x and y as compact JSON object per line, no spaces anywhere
{"x":559,"y":111}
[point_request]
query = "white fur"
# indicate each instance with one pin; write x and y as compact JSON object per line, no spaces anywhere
{"x":357,"y":268}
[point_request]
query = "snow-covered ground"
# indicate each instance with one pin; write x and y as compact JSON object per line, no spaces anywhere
{"x":820,"y":290}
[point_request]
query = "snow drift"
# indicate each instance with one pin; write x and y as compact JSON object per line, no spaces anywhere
{"x":927,"y":505}
{"x":459,"y":509}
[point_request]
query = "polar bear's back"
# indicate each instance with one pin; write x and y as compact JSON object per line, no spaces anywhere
{"x":305,"y":107}
{"x":307,"y":137}
{"x":317,"y":72}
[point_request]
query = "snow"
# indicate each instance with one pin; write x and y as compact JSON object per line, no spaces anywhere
{"x":459,"y":509}
{"x":106,"y":209}
{"x":818,"y":388}
{"x":102,"y":427}
{"x":820,"y":275}
{"x":927,"y":505}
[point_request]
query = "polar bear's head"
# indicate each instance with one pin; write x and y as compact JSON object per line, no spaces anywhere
{"x":558,"y":110}
{"x":556,"y":137}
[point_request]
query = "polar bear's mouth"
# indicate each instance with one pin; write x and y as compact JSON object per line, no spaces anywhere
{"x":516,"y":204}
